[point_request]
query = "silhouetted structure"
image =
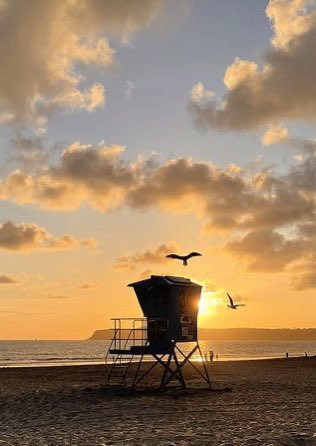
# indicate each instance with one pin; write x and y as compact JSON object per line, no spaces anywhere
{"x":170,"y":308}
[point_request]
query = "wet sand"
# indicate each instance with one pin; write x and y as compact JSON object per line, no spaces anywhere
{"x":270,"y":401}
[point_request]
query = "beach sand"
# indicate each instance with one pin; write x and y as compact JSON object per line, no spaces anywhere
{"x":270,"y":400}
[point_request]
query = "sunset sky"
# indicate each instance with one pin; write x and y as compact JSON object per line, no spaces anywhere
{"x":132,"y":129}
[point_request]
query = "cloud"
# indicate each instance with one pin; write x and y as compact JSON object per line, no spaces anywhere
{"x":21,"y":237}
{"x":22,"y":313}
{"x":304,"y":145}
{"x":233,"y":198}
{"x":280,"y":133}
{"x":89,"y":99}
{"x":99,"y":176}
{"x":145,"y":274}
{"x":282,"y":88}
{"x":28,"y":152}
{"x":210,"y":286}
{"x":307,"y":230}
{"x":275,"y":135}
{"x":200,"y":94}
{"x":56,"y":296}
{"x":87,"y":286}
{"x":303,"y":177}
{"x":85,"y":173}
{"x":254,"y":203}
{"x":182,"y":185}
{"x":7,"y":280}
{"x":238,"y":298}
{"x":239,"y":72}
{"x":44,"y":45}
{"x":289,"y":20}
{"x":68,"y":241}
{"x":306,"y":278}
{"x":266,"y":250}
{"x":271,"y":252}
{"x":97,"y":171}
{"x":30,"y":237}
{"x":154,"y":256}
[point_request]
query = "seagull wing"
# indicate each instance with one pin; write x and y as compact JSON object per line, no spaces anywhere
{"x":174,"y":256}
{"x":230,"y":300}
{"x":240,"y":305}
{"x":193,"y":254}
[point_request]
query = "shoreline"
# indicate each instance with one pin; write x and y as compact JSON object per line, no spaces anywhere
{"x":99,"y":363}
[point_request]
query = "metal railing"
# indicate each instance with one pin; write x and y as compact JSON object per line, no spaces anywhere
{"x":128,"y":332}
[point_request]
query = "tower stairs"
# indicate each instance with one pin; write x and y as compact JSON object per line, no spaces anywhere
{"x":128,"y":336}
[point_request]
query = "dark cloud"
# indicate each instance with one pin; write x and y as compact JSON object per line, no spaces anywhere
{"x":303,"y":176}
{"x":232,"y":198}
{"x":308,"y":230}
{"x":271,"y":252}
{"x":305,"y":277}
{"x":28,"y":153}
{"x":98,"y":170}
{"x":7,"y":280}
{"x":30,"y":237}
{"x":267,"y":250}
{"x":95,"y":174}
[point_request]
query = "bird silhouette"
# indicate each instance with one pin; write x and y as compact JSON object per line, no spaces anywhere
{"x":184,"y":258}
{"x":232,"y":305}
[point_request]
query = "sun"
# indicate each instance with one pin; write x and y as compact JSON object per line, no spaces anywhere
{"x":207,"y":303}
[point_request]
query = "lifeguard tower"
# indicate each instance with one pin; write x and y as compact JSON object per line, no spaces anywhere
{"x":170,"y":308}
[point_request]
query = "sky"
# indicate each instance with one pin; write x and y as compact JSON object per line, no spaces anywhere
{"x":129,"y":130}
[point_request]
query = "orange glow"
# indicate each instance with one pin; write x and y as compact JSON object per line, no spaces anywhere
{"x":208,"y":303}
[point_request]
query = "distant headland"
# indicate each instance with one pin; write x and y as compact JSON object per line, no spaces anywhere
{"x":238,"y":334}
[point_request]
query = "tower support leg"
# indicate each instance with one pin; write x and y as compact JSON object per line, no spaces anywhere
{"x":172,"y":366}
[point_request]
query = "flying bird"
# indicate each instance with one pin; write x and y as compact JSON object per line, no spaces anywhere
{"x":232,"y":305}
{"x":184,"y":258}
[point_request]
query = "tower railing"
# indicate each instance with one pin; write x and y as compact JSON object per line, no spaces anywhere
{"x":128,"y":332}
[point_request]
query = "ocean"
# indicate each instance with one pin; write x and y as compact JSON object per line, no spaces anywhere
{"x":45,"y":353}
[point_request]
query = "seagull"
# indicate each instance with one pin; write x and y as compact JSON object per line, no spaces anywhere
{"x":184,"y":258}
{"x":232,"y":305}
